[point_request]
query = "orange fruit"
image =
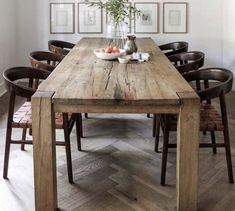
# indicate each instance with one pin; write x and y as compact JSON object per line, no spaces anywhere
{"x":108,"y":50}
{"x":116,"y":51}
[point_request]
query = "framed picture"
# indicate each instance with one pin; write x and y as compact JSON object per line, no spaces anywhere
{"x":175,"y":17}
{"x":90,"y":19}
{"x":148,"y":20}
{"x":127,"y":21}
{"x":62,"y":18}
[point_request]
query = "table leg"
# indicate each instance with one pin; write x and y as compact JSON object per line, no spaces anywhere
{"x":44,"y":152}
{"x":187,"y":153}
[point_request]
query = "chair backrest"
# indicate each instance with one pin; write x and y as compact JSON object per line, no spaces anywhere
{"x":188,"y":61}
{"x":59,"y":47}
{"x":222,"y":78}
{"x":174,"y":48}
{"x":45,"y":60}
{"x":14,"y":75}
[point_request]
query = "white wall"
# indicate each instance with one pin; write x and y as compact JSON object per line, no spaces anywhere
{"x":229,"y":35}
{"x":7,"y":37}
{"x":210,"y":29}
{"x":205,"y":28}
{"x":28,"y":28}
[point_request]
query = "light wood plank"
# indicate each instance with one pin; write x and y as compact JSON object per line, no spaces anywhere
{"x":187,"y":152}
{"x":116,"y":109}
{"x":83,"y":79}
{"x":44,"y":152}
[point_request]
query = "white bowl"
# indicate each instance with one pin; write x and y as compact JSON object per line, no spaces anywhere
{"x":109,"y":56}
{"x":124,"y":59}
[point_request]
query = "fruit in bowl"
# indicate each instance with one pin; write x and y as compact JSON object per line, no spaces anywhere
{"x":109,"y":53}
{"x":110,"y":50}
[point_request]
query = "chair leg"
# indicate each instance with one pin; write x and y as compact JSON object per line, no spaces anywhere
{"x":78,"y":130}
{"x":67,"y":147}
{"x":213,"y":142}
{"x":30,"y":132}
{"x":148,"y":115}
{"x":154,"y":124}
{"x":7,"y":151}
{"x":165,"y":150}
{"x":86,"y":115}
{"x":228,"y":156}
{"x":80,"y":125}
{"x":157,"y":135}
{"x":226,"y":137}
{"x":204,"y":132}
{"x":198,"y":85}
{"x":23,"y":138}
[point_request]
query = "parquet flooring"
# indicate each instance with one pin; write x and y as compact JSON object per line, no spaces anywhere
{"x":117,"y":169}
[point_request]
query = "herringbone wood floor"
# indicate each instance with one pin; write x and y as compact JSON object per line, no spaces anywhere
{"x":117,"y":170}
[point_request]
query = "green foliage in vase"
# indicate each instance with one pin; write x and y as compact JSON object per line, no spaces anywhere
{"x":118,"y":10}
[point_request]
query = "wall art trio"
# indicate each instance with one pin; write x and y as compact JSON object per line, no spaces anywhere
{"x":90,"y":20}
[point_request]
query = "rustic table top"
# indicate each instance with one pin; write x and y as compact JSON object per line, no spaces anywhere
{"x":83,"y":79}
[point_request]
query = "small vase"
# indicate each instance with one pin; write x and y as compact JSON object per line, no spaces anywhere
{"x":130,"y":45}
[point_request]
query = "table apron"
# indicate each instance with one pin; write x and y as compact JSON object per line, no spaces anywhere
{"x":158,"y":109}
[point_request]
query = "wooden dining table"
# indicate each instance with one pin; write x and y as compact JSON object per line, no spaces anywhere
{"x":82,"y":83}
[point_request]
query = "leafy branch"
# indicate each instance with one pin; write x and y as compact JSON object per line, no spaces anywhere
{"x":118,"y":10}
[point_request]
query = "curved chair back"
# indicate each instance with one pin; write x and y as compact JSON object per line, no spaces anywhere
{"x":45,"y":60}
{"x":188,"y":61}
{"x":60,"y":47}
{"x":13,"y":75}
{"x":174,"y":48}
{"x":223,"y":84}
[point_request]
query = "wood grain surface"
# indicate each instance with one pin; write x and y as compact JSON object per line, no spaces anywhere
{"x":45,"y":180}
{"x":188,"y":150}
{"x":83,"y":79}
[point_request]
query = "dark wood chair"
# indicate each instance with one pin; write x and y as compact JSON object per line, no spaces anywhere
{"x":184,"y":62}
{"x":188,"y":61}
{"x":174,"y":48}
{"x":60,"y":47}
{"x":45,"y":60}
{"x":171,"y":49}
{"x":218,"y":84}
{"x":23,"y":119}
{"x":48,"y":61}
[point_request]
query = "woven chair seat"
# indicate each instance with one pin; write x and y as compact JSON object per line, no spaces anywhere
{"x":210,"y":119}
{"x":23,"y":117}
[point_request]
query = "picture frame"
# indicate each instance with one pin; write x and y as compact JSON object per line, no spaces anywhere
{"x":62,"y":18}
{"x":148,"y":21}
{"x":90,"y":19}
{"x":127,"y":20}
{"x":175,"y":17}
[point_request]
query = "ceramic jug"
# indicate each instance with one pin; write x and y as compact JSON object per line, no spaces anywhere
{"x":130,"y":45}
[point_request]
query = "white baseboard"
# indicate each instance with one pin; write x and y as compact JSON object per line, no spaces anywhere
{"x":2,"y":89}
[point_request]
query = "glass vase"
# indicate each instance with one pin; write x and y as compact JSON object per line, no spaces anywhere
{"x":117,"y":32}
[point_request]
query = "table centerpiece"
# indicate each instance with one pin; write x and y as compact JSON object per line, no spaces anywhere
{"x":119,"y":11}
